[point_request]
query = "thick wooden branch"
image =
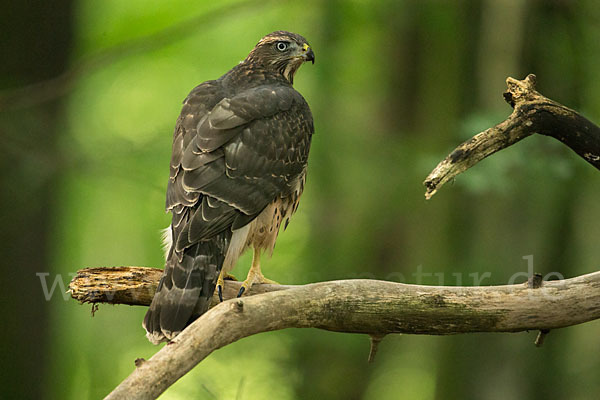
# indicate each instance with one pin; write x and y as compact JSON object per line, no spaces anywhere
{"x":533,"y":113}
{"x":371,"y":307}
{"x":354,"y":306}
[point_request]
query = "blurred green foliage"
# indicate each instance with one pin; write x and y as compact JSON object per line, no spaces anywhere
{"x":396,"y":85}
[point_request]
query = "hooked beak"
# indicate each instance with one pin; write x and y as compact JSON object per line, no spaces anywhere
{"x":307,"y":53}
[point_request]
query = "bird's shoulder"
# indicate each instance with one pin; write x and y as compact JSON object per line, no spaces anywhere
{"x":267,"y":91}
{"x":202,"y":99}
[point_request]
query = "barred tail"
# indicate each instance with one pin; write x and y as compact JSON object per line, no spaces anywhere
{"x":186,"y":287}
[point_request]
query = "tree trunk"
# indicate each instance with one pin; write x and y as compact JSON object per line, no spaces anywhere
{"x":36,"y":40}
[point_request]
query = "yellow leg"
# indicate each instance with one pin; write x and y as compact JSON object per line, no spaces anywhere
{"x":221,"y":284}
{"x":254,"y":275}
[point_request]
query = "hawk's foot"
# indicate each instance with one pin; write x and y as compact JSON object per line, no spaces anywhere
{"x":254,"y":276}
{"x":221,"y":283}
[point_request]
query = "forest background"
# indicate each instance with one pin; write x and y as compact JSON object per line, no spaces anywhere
{"x":90,"y":91}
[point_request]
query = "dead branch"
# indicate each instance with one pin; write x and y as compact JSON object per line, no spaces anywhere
{"x":135,"y":286}
{"x":365,"y":306}
{"x":533,"y":113}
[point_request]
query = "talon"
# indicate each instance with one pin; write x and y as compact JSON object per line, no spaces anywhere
{"x":241,"y":292}
{"x":254,"y":275}
{"x":221,"y":283}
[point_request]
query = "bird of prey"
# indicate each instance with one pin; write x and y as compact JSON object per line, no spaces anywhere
{"x":238,"y":168}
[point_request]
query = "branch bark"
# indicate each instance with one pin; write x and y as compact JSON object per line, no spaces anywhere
{"x":353,"y":306}
{"x":533,"y":113}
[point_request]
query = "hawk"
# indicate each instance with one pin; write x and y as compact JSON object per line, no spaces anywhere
{"x":238,"y":168}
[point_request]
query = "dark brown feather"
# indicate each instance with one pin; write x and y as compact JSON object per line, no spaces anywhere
{"x":239,"y":144}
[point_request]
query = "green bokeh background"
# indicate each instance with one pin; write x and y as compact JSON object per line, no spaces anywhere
{"x":396,"y":85}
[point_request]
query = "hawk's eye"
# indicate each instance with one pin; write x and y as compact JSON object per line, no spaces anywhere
{"x":281,"y":46}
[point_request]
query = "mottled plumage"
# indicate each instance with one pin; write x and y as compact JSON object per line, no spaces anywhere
{"x":240,"y":150}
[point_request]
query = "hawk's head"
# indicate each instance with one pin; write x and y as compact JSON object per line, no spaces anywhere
{"x":282,"y":52}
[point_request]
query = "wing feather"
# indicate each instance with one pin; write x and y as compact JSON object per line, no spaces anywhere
{"x":234,"y":155}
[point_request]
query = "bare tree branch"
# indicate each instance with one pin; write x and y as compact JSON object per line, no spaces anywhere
{"x":533,"y":113}
{"x":363,"y":306}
